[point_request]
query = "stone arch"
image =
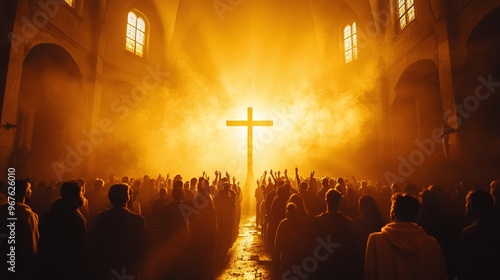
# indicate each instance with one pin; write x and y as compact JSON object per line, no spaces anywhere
{"x":416,"y":113}
{"x":52,"y":113}
{"x":479,"y":100}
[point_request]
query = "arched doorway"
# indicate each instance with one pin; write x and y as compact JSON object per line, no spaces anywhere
{"x":416,"y":113}
{"x":479,"y":96}
{"x":51,"y":116}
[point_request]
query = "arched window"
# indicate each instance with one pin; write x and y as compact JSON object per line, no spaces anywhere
{"x":136,"y":33}
{"x":406,"y":12}
{"x":350,"y":42}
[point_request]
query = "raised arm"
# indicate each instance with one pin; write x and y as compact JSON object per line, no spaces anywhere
{"x":297,"y":177}
{"x":272,"y":175}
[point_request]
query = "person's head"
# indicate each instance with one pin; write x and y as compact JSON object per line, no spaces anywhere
{"x":193,"y":182}
{"x":98,"y":184}
{"x":340,"y":181}
{"x":295,"y":199}
{"x":333,"y":198}
{"x":303,"y":187}
{"x":367,"y":205}
{"x":23,"y":191}
{"x":186,"y":185}
{"x":178,"y":184}
{"x":178,"y":194}
{"x":324,"y":182}
{"x":82,"y":183}
{"x":291,"y":210}
{"x":163,"y":192}
{"x":119,"y":194}
{"x":125,"y":180}
{"x":495,"y":190}
{"x":404,"y":208}
{"x":71,"y":193}
{"x":478,"y":204}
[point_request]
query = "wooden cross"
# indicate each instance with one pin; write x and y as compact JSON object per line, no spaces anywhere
{"x":249,"y":123}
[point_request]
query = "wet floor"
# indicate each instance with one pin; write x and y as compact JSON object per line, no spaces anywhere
{"x":248,"y":258}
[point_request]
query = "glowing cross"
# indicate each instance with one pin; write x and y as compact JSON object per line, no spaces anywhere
{"x":249,"y":123}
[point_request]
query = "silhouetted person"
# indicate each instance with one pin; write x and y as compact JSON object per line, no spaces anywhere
{"x":335,"y":229}
{"x":26,"y":234}
{"x":62,"y":248}
{"x":320,"y":196}
{"x":159,"y":202}
{"x":403,"y":250}
{"x":98,"y":200}
{"x":370,"y":220}
{"x":291,"y":239}
{"x":300,"y":208}
{"x":277,"y":213}
{"x":133,"y":204}
{"x":173,"y":216}
{"x":119,"y":237}
{"x":203,"y":235}
{"x":480,"y":242}
{"x":169,"y":259}
{"x":225,"y":208}
{"x":85,"y":206}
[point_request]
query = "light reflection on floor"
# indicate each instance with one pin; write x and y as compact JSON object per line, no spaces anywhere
{"x":248,"y":258}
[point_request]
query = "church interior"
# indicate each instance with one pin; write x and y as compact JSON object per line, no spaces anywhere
{"x":393,"y":91}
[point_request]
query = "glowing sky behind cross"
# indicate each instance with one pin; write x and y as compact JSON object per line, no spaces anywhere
{"x":265,"y":56}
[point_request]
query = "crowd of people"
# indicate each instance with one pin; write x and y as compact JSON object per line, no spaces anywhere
{"x":334,"y":228}
{"x":171,"y":228}
{"x":163,"y":228}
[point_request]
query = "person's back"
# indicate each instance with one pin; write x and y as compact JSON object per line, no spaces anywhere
{"x":119,"y":236}
{"x":26,"y":235}
{"x":335,"y":229}
{"x":480,"y":242}
{"x":63,"y":237}
{"x":403,"y":250}
{"x":291,"y":239}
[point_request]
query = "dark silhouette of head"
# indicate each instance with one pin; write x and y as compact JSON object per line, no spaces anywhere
{"x":479,"y":204}
{"x":291,"y":210}
{"x":367,"y":206}
{"x":404,"y":208}
{"x":324,"y":182}
{"x":119,"y":195}
{"x":71,"y":193}
{"x":163,"y":192}
{"x":281,"y":192}
{"x":178,"y":184}
{"x":23,"y":191}
{"x":178,"y":194}
{"x":303,"y":187}
{"x":98,"y":184}
{"x":333,"y":198}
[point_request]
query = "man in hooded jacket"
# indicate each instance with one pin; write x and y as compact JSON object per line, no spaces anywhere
{"x":403,"y":250}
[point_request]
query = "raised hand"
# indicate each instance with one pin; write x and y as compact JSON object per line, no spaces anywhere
{"x":296,"y":170}
{"x":234,"y":180}
{"x":265,"y":173}
{"x":285,"y":171}
{"x":312,"y":174}
{"x":168,"y":176}
{"x":228,"y":176}
{"x":279,"y":172}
